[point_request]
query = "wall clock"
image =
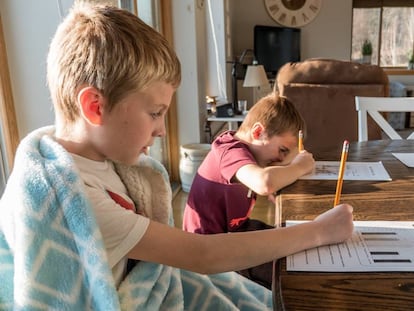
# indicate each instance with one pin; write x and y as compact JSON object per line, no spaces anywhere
{"x":293,"y":13}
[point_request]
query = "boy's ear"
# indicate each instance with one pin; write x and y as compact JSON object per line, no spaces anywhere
{"x":257,"y":131}
{"x":91,"y":105}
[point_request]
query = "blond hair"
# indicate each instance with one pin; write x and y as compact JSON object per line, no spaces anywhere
{"x":277,"y":115}
{"x":107,"y":48}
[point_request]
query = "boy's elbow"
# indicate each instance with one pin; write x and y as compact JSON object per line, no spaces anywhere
{"x":266,"y":187}
{"x":264,"y":191}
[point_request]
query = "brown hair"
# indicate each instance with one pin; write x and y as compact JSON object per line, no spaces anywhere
{"x":277,"y":115}
{"x":110,"y":49}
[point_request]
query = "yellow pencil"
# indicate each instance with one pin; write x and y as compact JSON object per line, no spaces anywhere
{"x":341,"y":172}
{"x":300,"y":141}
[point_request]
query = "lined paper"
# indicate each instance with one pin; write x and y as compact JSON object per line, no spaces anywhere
{"x":329,"y":170}
{"x":374,"y":246}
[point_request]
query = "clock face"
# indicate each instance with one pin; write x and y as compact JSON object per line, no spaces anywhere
{"x":293,"y":13}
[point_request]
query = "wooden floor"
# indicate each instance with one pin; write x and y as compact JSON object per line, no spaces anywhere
{"x":178,"y":207}
{"x":263,"y":210}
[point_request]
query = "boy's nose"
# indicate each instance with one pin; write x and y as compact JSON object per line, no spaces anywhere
{"x":161,"y":130}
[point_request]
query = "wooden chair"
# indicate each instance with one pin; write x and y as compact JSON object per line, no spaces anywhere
{"x":374,"y":106}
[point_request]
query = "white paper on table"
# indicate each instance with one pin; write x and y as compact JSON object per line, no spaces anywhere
{"x":329,"y":170}
{"x":374,"y":246}
{"x":406,"y":158}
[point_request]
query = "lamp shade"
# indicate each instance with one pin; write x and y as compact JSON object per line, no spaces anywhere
{"x":255,"y":76}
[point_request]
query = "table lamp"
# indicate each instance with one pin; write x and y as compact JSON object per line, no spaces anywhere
{"x":255,"y":77}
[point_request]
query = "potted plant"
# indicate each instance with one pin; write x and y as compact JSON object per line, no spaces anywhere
{"x":411,"y":61}
{"x":366,"y":51}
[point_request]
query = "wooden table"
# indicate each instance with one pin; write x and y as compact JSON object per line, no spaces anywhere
{"x":384,"y":200}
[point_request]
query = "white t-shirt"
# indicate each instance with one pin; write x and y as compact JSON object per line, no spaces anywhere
{"x":121,"y":228}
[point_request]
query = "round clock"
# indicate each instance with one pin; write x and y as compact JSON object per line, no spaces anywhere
{"x":293,"y":13}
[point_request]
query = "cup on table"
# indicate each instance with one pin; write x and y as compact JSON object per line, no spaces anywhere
{"x":242,"y":106}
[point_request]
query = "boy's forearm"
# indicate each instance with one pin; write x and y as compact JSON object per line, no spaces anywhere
{"x":248,"y":249}
{"x":280,"y":177}
{"x":268,"y":180}
{"x":216,"y":253}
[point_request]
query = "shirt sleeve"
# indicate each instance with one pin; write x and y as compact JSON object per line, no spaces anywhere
{"x":234,"y":158}
{"x":121,"y":228}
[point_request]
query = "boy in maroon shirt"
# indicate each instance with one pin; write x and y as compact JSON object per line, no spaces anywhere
{"x":260,"y":158}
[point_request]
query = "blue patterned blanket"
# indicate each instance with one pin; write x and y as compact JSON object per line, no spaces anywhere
{"x":52,"y":256}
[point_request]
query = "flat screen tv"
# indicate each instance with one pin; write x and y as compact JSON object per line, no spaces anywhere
{"x":275,"y":46}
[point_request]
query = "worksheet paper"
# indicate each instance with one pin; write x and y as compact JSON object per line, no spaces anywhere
{"x":406,"y":158}
{"x":374,"y":246}
{"x":329,"y":170}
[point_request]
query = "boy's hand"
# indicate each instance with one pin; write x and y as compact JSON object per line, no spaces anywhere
{"x":305,"y":161}
{"x":336,"y":224}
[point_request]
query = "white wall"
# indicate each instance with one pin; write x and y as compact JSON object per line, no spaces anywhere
{"x":28,"y":27}
{"x":189,"y":95}
{"x":317,"y":40}
{"x":329,"y":34}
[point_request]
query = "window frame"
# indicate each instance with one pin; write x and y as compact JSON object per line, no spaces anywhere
{"x":370,"y":4}
{"x":173,"y":150}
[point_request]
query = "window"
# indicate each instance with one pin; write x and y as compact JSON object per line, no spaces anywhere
{"x":389,"y":25}
{"x":157,"y":14}
{"x":9,"y":137}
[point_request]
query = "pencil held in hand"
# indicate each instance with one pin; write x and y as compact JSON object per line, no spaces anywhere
{"x":341,"y":172}
{"x":300,"y":141}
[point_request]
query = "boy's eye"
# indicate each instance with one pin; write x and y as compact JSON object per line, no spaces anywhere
{"x":155,"y":115}
{"x":284,"y":151}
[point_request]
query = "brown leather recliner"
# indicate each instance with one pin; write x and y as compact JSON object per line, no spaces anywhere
{"x":324,"y":90}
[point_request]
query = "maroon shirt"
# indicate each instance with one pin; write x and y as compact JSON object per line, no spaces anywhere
{"x":216,"y":204}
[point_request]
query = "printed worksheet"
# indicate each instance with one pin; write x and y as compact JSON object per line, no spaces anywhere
{"x":406,"y":158}
{"x":374,"y":246}
{"x":329,"y":170}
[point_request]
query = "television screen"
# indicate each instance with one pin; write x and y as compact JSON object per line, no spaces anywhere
{"x":275,"y":46}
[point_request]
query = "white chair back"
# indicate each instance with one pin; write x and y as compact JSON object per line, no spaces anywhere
{"x":375,"y":105}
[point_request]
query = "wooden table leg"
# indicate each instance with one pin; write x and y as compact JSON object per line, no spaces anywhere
{"x":278,"y":304}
